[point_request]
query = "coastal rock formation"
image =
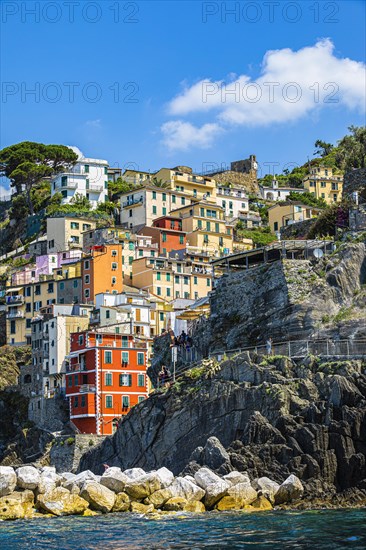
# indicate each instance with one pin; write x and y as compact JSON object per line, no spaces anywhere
{"x":267,"y":419}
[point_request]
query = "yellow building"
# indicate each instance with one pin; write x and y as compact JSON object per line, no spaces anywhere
{"x":65,"y":233}
{"x":183,"y":180}
{"x":172,"y":278}
{"x":324,"y":183}
{"x":281,"y":215}
{"x":206,"y":227}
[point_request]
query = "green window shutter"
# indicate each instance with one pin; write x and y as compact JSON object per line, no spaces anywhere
{"x":163,"y":235}
{"x":86,"y":168}
{"x":164,"y":211}
{"x":168,"y":277}
{"x":109,"y":401}
{"x":195,"y":280}
{"x":158,"y":276}
{"x":181,"y":239}
{"x":154,"y":209}
{"x":140,"y":358}
{"x":199,"y":224}
{"x":174,"y":199}
{"x":141,"y":380}
{"x":217,"y":228}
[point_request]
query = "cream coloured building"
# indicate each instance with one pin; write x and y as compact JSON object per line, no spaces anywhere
{"x":281,"y":215}
{"x":66,"y":232}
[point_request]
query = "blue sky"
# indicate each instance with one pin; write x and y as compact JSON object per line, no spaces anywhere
{"x":146,"y":83}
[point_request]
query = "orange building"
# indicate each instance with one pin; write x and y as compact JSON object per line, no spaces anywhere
{"x":102,"y":271}
{"x":167,"y":233}
{"x":106,"y":376}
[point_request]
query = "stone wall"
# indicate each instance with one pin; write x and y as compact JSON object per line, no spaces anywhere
{"x":297,"y":230}
{"x":247,"y":181}
{"x":67,"y":451}
{"x":355,"y":180}
{"x":49,"y":414}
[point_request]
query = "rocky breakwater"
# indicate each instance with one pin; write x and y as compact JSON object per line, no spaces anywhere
{"x":273,"y":417}
{"x":29,"y":492}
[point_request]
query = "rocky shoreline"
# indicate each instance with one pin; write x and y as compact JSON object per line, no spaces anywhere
{"x":30,"y":492}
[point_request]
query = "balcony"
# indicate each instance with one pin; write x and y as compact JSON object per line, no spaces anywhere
{"x":94,"y":188}
{"x":76,"y":367}
{"x":16,"y":299}
{"x":87,"y":388}
{"x":132,"y":202}
{"x":15,"y":315}
{"x":67,"y":185}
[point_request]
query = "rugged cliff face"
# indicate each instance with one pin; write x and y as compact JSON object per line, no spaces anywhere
{"x":289,"y":299}
{"x":274,"y":418}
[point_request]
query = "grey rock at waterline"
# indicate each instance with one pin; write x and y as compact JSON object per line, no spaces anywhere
{"x":291,"y":489}
{"x":8,"y":480}
{"x":134,"y":473}
{"x":184,"y":488}
{"x":114,"y":479}
{"x":99,"y":497}
{"x":28,"y":477}
{"x":267,"y":487}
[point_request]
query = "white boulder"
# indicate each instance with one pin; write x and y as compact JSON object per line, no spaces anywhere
{"x":8,"y":480}
{"x":28,"y":477}
{"x":214,"y":486}
{"x":291,"y":489}
{"x":243,"y":492}
{"x":99,"y":497}
{"x":114,"y":479}
{"x":166,"y":477}
{"x":267,"y":487}
{"x":236,"y":477}
{"x":134,"y":473}
{"x":184,"y":488}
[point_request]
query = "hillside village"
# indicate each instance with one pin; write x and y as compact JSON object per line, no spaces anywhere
{"x":110,"y":260}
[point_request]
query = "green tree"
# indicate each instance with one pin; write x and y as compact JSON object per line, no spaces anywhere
{"x":119,"y":186}
{"x":106,"y":207}
{"x":308,"y":199}
{"x":323,"y":148}
{"x":27,"y":163}
{"x":352,"y":149}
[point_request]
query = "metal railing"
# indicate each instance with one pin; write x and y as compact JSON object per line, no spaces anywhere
{"x":302,"y":348}
{"x":87,"y":388}
{"x":15,"y":315}
{"x":14,"y":299}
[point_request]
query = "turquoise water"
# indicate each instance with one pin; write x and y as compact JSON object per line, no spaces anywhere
{"x":339,"y":529}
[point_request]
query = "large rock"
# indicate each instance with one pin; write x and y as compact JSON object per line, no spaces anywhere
{"x":81,"y":478}
{"x":159,"y":498}
{"x":165,"y":476}
{"x":122,"y":503}
{"x":114,"y":479}
{"x":143,"y":486}
{"x":291,"y":489}
{"x":215,"y":455}
{"x":175,"y":504}
{"x":243,"y":492}
{"x":28,"y":477}
{"x":140,"y":508}
{"x":61,"y":502}
{"x":49,"y":480}
{"x":99,"y":497}
{"x":184,"y":488}
{"x":229,"y":503}
{"x":17,"y":505}
{"x":8,"y":480}
{"x":235,"y":477}
{"x":214,"y":486}
{"x":134,"y":473}
{"x":267,"y":487}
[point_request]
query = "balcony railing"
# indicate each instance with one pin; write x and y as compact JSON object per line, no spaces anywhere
{"x":87,"y":388}
{"x":75,"y":367}
{"x":132,"y":202}
{"x":67,"y":185}
{"x":17,"y":299}
{"x":15,"y":315}
{"x":95,"y":188}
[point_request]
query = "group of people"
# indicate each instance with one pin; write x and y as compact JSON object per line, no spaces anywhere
{"x":164,"y":376}
{"x":183,"y":341}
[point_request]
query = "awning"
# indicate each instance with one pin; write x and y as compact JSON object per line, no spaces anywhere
{"x":14,"y":289}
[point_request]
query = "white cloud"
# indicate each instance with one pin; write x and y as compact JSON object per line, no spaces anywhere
{"x":94,"y":123}
{"x":180,"y":135}
{"x":292,"y":84}
{"x":76,"y":150}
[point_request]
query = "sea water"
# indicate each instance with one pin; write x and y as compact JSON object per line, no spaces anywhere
{"x":324,"y":529}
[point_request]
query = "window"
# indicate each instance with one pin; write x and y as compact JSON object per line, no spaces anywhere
{"x":186,"y":295}
{"x":158,"y":276}
{"x":125,"y":379}
{"x":124,"y":358}
{"x":208,"y":282}
{"x":154,"y":195}
{"x":130,"y":260}
{"x":28,"y":291}
{"x":86,"y":264}
{"x":114,"y":252}
{"x":27,"y":323}
{"x":87,"y":183}
{"x":107,"y":314}
{"x":163,"y":237}
{"x":177,"y":278}
{"x":38,"y":290}
{"x":74,"y":225}
{"x":275,"y":226}
{"x":130,"y":213}
{"x":86,"y":226}
{"x":75,"y":284}
{"x":185,"y":280}
{"x":63,"y":181}
{"x":152,"y":253}
{"x":28,"y":308}
{"x":87,"y":279}
{"x":131,"y":246}
{"x":81,"y":340}
{"x":323,"y":184}
{"x":168,"y":291}
{"x":205,"y":238}
{"x":99,"y":338}
{"x":12,"y":327}
{"x":108,"y":357}
{"x":64,"y":194}
{"x":86,"y":168}
{"x":141,"y":253}
{"x":196,"y":295}
{"x":108,"y":401}
{"x":74,"y":239}
{"x":140,"y":358}
{"x":208,"y":226}
{"x":195,"y":280}
{"x":76,"y":380}
{"x":114,"y":266}
{"x":174,"y":199}
{"x":181,"y":239}
{"x":154,"y":209}
{"x":164,"y":211}
{"x":323,"y":195}
{"x":69,"y":381}
{"x":125,"y":401}
{"x":167,"y":275}
{"x":62,"y":286}
{"x":108,"y":379}
{"x":158,"y":290}
{"x":221,"y":241}
{"x":141,"y":398}
{"x":141,"y":380}
{"x":76,"y":401}
{"x":199,"y":224}
{"x":164,"y":197}
{"x":87,"y":293}
{"x":183,"y":201}
{"x":125,"y":341}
